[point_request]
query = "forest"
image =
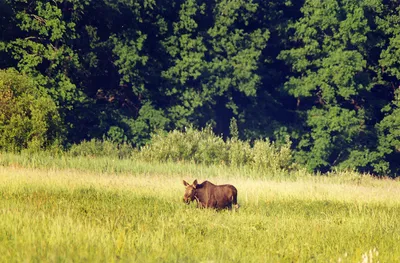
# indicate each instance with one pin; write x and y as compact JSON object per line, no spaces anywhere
{"x":324,"y":74}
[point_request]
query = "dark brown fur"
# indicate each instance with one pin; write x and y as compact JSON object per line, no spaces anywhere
{"x":209,"y":195}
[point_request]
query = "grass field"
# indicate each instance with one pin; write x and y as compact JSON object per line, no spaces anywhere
{"x":76,"y":215}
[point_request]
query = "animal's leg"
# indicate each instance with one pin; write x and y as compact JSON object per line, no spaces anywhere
{"x":234,"y":202}
{"x":212,"y":204}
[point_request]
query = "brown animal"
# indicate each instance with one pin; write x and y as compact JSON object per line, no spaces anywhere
{"x":208,"y":195}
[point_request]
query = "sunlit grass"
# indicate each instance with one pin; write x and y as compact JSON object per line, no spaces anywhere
{"x":69,"y":214}
{"x":136,"y":166}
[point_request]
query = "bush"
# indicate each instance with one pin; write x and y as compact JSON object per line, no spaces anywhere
{"x":192,"y":145}
{"x":239,"y":152}
{"x":266,"y":155}
{"x":207,"y":148}
{"x":29,"y":118}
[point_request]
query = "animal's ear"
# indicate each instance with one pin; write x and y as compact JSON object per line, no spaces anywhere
{"x":185,"y":183}
{"x":195,"y":183}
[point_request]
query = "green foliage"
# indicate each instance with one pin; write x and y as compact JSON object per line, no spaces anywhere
{"x":323,"y":73}
{"x":266,"y":156}
{"x":148,"y":121}
{"x":335,"y":74}
{"x":240,"y":152}
{"x":215,"y":56}
{"x":116,"y":134}
{"x":41,"y":46}
{"x":389,"y":138}
{"x":29,"y":118}
{"x":191,"y":145}
{"x":233,"y":129}
{"x":97,"y":148}
{"x":389,"y":23}
{"x":207,"y":148}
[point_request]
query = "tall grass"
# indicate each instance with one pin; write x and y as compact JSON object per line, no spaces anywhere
{"x":73,"y":216}
{"x":105,"y":164}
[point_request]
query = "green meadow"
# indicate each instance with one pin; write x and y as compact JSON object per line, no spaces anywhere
{"x":97,"y":210}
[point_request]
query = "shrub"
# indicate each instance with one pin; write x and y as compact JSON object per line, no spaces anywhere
{"x":266,"y":155}
{"x":205,"y":147}
{"x":29,"y":118}
{"x":191,"y":145}
{"x":211,"y":149}
{"x":239,"y":152}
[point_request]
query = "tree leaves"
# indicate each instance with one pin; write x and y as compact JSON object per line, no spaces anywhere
{"x":324,"y":72}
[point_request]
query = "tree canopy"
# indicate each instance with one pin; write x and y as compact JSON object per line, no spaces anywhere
{"x":326,"y":73}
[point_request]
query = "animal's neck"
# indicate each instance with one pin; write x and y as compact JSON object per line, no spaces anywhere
{"x":198,"y":195}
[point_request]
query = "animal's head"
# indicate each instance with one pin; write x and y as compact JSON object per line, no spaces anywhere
{"x":190,"y":190}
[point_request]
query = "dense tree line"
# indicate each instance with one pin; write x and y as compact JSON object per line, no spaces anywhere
{"x":326,"y":73}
